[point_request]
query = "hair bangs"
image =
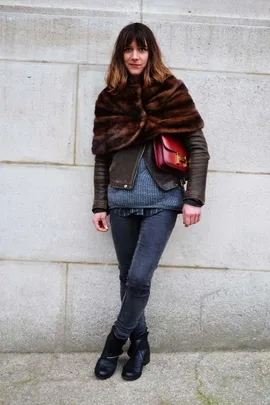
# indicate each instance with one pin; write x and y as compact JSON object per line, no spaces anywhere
{"x":137,"y":34}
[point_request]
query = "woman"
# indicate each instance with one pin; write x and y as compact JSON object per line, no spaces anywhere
{"x":142,"y":100}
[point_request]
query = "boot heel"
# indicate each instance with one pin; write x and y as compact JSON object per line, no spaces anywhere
{"x":146,"y":361}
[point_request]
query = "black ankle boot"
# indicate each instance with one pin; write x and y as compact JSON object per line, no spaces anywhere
{"x":132,"y":345}
{"x":107,"y":362}
{"x":139,"y":352}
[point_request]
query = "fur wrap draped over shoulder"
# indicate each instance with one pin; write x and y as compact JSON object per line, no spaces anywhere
{"x":136,"y":115}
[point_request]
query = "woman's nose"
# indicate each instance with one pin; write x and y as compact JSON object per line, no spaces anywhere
{"x":134,"y":54}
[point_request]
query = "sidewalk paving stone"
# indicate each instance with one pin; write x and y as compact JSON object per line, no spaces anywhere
{"x":202,"y":378}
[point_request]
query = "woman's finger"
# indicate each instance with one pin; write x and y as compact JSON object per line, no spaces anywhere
{"x":194,"y":219}
{"x":95,"y":222}
{"x":99,"y":225}
{"x":198,"y":217}
{"x":186,"y":220}
{"x":104,"y":224}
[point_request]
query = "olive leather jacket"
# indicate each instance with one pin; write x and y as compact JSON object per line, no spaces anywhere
{"x":119,"y":170}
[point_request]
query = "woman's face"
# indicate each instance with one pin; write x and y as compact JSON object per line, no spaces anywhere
{"x":135,"y":58}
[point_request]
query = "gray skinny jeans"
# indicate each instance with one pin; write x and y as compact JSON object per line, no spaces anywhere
{"x":139,"y":242}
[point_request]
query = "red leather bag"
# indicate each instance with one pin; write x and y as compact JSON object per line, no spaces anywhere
{"x":170,"y":154}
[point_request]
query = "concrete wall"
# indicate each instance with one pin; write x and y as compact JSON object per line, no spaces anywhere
{"x":58,"y":276}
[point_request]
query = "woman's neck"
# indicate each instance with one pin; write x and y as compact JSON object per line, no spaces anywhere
{"x":135,"y":79}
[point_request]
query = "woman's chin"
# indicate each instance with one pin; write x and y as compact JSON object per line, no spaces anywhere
{"x":135,"y":72}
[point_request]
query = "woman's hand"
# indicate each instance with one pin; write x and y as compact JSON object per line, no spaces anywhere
{"x":100,"y":221}
{"x":191,"y":215}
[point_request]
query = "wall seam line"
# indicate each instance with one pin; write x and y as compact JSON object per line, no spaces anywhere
{"x":76,"y":115}
{"x":162,"y":266}
{"x":105,"y":65}
{"x":18,"y":163}
{"x":82,"y":14}
{"x":218,"y":20}
{"x":66,"y":301}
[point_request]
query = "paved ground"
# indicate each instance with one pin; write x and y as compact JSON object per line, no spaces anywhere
{"x":220,"y":378}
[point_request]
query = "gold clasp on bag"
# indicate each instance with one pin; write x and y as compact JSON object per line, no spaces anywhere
{"x":179,"y":159}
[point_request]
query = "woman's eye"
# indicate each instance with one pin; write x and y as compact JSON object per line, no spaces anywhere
{"x":140,"y":50}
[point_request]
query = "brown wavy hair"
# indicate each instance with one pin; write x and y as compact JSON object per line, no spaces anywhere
{"x":155,"y":69}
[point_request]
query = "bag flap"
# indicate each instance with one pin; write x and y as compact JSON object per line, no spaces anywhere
{"x":173,"y":145}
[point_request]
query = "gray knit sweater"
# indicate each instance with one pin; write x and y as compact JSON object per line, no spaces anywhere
{"x":145,"y":193}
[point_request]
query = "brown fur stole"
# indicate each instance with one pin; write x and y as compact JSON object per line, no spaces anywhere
{"x":136,"y":114}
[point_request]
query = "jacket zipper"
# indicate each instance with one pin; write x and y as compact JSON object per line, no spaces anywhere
{"x":136,"y":166}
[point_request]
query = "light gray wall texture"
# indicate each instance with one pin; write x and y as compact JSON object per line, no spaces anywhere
{"x":58,"y":276}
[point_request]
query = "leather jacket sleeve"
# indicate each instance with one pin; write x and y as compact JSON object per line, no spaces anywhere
{"x":197,"y":150}
{"x":101,"y":182}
